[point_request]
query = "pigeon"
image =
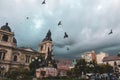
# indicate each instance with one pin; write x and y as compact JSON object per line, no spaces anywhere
{"x":44,"y":2}
{"x":110,"y":32}
{"x":59,"y":23}
{"x":67,"y":48}
{"x":27,"y":17}
{"x":66,"y":35}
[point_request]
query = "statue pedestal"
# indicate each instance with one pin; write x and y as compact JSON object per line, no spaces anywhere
{"x":34,"y":79}
{"x":46,"y":72}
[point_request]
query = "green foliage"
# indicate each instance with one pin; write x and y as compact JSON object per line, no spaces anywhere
{"x":105,"y":68}
{"x":18,"y":73}
{"x":81,"y":66}
{"x":89,"y":67}
{"x":71,"y":72}
{"x":118,"y":55}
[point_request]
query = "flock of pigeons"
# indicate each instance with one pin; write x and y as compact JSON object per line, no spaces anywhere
{"x":65,"y":34}
{"x":60,"y":23}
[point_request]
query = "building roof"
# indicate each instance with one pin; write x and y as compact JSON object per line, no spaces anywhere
{"x":111,"y":58}
{"x":27,"y":49}
{"x":6,"y":28}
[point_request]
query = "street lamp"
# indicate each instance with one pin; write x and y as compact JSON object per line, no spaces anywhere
{"x":36,"y":61}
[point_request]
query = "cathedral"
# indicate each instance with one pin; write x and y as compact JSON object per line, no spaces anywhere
{"x":12,"y":56}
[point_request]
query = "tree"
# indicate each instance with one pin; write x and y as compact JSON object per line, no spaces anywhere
{"x":118,"y":55}
{"x":18,"y":74}
{"x":80,"y":67}
{"x":71,"y":73}
{"x":105,"y":68}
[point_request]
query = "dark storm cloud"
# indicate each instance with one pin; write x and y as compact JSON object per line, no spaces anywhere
{"x":65,"y":42}
{"x":87,"y":23}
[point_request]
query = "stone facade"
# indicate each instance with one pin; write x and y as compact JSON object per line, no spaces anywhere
{"x":64,"y":66}
{"x":89,"y":56}
{"x":49,"y":65}
{"x":100,"y":57}
{"x":12,"y":56}
{"x":45,"y":44}
{"x":48,"y":71}
{"x":114,"y":61}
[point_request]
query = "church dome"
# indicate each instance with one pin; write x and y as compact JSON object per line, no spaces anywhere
{"x":6,"y":28}
{"x":14,"y":40}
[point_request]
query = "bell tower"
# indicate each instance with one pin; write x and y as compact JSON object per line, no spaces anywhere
{"x":46,"y":44}
{"x":7,"y":37}
{"x":7,"y":44}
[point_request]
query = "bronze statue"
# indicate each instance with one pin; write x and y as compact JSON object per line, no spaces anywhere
{"x":48,"y":36}
{"x":6,"y":27}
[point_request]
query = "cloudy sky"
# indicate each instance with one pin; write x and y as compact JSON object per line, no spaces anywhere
{"x":87,"y":22}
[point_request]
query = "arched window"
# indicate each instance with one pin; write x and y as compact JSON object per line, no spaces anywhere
{"x":27,"y":59}
{"x":2,"y":54}
{"x":41,"y":48}
{"x":15,"y":58}
{"x":5,"y":38}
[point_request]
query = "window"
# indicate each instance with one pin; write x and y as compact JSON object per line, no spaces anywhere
{"x":41,"y":48}
{"x":5,"y":38}
{"x":15,"y":58}
{"x":27,"y":58}
{"x":2,"y":54}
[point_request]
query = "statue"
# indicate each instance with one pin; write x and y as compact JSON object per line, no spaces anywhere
{"x":49,"y":56}
{"x":6,"y":27}
{"x":6,"y":24}
{"x":48,"y":36}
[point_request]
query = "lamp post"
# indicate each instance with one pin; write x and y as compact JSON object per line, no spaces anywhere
{"x":36,"y":61}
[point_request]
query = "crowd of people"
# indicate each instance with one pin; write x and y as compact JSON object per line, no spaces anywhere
{"x":105,"y":76}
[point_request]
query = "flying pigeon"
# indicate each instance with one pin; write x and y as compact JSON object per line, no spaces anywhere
{"x":67,"y":48}
{"x":44,"y":2}
{"x":66,"y":35}
{"x":59,"y":23}
{"x":27,"y":17}
{"x":110,"y":32}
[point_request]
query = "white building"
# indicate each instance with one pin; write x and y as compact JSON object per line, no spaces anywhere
{"x":113,"y":61}
{"x":89,"y":56}
{"x":100,"y":56}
